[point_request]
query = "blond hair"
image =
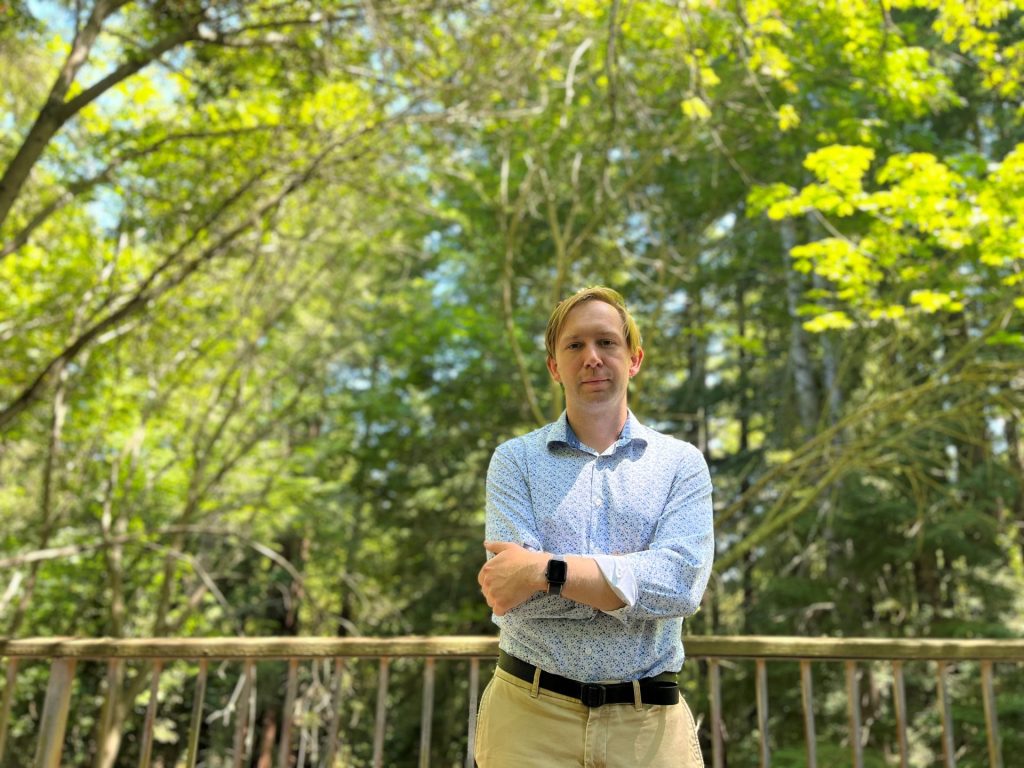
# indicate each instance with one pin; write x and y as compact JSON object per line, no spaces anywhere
{"x":594,"y":293}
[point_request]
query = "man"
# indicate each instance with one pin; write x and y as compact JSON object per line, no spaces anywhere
{"x":599,"y":540}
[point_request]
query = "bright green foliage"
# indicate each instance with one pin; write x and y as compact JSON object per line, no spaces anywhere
{"x":920,"y":210}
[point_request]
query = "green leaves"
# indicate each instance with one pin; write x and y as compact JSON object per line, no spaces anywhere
{"x":916,"y":87}
{"x":913,"y":210}
{"x":694,"y":108}
{"x":829,"y":321}
{"x":933,"y":301}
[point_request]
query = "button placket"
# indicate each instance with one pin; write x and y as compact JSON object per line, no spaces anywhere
{"x":595,"y":500}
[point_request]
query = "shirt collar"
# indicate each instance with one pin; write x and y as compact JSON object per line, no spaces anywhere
{"x":561,"y":433}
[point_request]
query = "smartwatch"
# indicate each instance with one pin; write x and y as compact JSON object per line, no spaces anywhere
{"x":557,"y":572}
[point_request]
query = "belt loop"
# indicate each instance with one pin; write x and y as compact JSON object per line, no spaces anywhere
{"x":535,"y":688}
{"x":638,"y":702}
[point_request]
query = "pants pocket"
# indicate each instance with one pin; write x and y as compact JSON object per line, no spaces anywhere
{"x":481,"y":720}
{"x":696,"y":758}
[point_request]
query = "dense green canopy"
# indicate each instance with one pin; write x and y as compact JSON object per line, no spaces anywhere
{"x":274,"y":276}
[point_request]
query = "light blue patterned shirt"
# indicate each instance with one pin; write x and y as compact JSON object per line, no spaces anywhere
{"x":642,"y":508}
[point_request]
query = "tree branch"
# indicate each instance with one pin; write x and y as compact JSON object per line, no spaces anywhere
{"x":56,"y":112}
{"x":148,"y":291}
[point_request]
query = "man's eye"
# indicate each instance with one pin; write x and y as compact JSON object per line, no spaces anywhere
{"x":607,"y":342}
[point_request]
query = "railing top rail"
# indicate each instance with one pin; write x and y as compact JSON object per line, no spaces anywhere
{"x":697,"y":646}
{"x":864,"y":648}
{"x":249,"y":647}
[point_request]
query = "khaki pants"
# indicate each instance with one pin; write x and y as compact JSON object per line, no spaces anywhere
{"x":521,"y":726}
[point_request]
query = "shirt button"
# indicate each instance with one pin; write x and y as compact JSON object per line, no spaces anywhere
{"x":597,"y":502}
{"x":587,"y":650}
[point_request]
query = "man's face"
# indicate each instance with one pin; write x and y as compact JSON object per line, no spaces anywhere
{"x":592,"y":359}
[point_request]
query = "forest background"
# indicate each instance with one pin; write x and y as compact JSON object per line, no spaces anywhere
{"x":273,"y":281}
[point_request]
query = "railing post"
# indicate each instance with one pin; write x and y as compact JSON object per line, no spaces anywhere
{"x":900,"y":696}
{"x":146,"y":752}
{"x":288,"y":715}
{"x":853,"y":700}
{"x":715,"y":682}
{"x":988,"y":696}
{"x":382,"y":713}
{"x":474,"y":687}
{"x":807,"y":695}
{"x":427,"y":711}
{"x":761,"y":689}
{"x":242,"y":713}
{"x":197,"y":716}
{"x":335,"y":726}
{"x":109,"y":737}
{"x":55,"y":714}
{"x":5,"y":707}
{"x":946,"y":711}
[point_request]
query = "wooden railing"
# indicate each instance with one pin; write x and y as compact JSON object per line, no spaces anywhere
{"x":64,"y":654}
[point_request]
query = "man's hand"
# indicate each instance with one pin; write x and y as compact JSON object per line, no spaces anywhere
{"x":512,"y":576}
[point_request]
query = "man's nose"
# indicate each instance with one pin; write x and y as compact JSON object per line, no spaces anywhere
{"x":592,"y":358}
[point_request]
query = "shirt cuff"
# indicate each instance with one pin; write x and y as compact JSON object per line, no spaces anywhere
{"x":619,"y":575}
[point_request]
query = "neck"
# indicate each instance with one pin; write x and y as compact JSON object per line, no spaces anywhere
{"x":597,"y":429}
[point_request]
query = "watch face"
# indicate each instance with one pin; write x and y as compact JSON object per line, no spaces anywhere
{"x":557,"y":571}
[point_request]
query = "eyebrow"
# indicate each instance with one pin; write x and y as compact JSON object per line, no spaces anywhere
{"x":598,"y":332}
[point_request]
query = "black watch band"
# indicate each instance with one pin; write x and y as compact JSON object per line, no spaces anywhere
{"x":556,"y":573}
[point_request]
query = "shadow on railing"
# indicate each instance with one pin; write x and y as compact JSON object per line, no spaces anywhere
{"x":65,"y":653}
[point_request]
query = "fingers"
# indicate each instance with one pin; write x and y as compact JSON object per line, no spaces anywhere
{"x":488,"y":588}
{"x":498,"y":546}
{"x":493,"y":578}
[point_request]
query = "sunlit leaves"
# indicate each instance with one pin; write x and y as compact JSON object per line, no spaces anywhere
{"x":841,"y":170}
{"x":694,"y":108}
{"x":914,"y":85}
{"x":788,"y":117}
{"x":916,"y":208}
{"x":334,"y":105}
{"x":892,"y":312}
{"x":971,"y":26}
{"x":829,"y":321}
{"x":593,"y":9}
{"x":933,"y":301}
{"x":763,"y":196}
{"x":841,"y":167}
{"x":767,"y":30}
{"x":840,"y":261}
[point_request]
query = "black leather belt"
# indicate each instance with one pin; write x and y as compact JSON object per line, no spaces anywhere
{"x":662,"y":689}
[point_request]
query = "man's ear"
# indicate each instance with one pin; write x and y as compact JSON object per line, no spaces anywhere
{"x":634,"y":362}
{"x":553,"y":370}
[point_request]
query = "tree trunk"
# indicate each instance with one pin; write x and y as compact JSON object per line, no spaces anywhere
{"x":47,"y":523}
{"x":830,"y":349}
{"x":108,"y":728}
{"x":1016,"y":453}
{"x":283,"y":611}
{"x":117,"y":708}
{"x":267,"y":739}
{"x":694,"y":390}
{"x":799,"y":357}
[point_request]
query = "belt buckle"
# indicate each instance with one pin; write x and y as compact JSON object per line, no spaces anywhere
{"x":592,"y":695}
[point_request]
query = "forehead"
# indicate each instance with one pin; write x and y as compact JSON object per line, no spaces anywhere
{"x":589,"y":317}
